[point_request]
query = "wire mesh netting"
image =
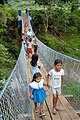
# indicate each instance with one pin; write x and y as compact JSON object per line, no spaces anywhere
{"x":14,"y":99}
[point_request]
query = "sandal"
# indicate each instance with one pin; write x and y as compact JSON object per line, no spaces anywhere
{"x":54,"y":111}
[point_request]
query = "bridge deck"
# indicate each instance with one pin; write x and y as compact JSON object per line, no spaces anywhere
{"x":66,"y":111}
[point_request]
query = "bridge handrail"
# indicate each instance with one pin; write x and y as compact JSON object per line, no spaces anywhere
{"x":9,"y":79}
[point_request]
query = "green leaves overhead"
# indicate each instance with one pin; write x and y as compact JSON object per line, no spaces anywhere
{"x":43,"y":2}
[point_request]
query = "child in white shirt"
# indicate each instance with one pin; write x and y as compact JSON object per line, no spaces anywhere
{"x":56,"y":76}
{"x":37,"y":92}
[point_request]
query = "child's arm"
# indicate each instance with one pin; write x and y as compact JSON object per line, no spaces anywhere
{"x":62,"y":78}
{"x":34,"y":43}
{"x":45,"y":83}
{"x":62,"y":81}
{"x":31,"y":95}
{"x":30,"y":92}
{"x":47,"y":79}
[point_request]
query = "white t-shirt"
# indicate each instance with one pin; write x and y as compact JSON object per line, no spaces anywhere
{"x":55,"y":78}
{"x":36,"y":85}
{"x":29,"y":33}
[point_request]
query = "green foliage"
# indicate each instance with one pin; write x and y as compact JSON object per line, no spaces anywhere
{"x":2,"y":2}
{"x":72,"y":30}
{"x":6,"y":62}
{"x":64,"y":23}
{"x":43,"y":2}
{"x":38,"y":20}
{"x":8,"y":14}
{"x":72,"y":88}
{"x":9,"y":42}
{"x":67,"y":44}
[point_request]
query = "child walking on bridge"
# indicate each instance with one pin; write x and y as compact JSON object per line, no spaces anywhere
{"x":34,"y":63}
{"x":37,"y":92}
{"x":56,"y":76}
{"x":29,"y":48}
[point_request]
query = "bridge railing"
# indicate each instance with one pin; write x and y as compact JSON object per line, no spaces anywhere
{"x":71,"y":66}
{"x":14,"y":98}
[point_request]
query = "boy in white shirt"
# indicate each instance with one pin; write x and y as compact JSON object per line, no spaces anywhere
{"x":29,"y":33}
{"x":56,"y":76}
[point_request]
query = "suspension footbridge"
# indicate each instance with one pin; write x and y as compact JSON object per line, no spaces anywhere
{"x":15,"y":103}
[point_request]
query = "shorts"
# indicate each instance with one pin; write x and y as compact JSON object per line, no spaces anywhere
{"x":56,"y":90}
{"x":29,"y":50}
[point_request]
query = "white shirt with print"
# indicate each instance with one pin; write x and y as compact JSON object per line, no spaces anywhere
{"x":55,"y":78}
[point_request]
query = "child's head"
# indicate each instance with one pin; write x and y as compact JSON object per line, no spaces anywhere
{"x":34,"y":60}
{"x":37,"y":77}
{"x":35,"y":57}
{"x":58,"y":64}
{"x":33,"y":36}
{"x":30,"y":40}
{"x":23,"y":34}
{"x":29,"y":29}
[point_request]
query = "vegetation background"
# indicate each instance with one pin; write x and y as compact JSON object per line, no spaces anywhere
{"x":55,"y":22}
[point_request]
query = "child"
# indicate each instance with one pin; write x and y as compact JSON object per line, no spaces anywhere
{"x":33,"y":38}
{"x":37,"y":92}
{"x":35,"y":45}
{"x":55,"y":75}
{"x":34,"y":65}
{"x":23,"y":37}
{"x":29,"y":33}
{"x":26,"y":26}
{"x":29,"y":48}
{"x":25,"y":46}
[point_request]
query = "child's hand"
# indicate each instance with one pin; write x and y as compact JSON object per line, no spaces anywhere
{"x":61,"y":86}
{"x":31,"y":96}
{"x":48,"y":86}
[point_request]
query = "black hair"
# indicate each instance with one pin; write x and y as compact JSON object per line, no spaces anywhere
{"x":34,"y":60}
{"x":30,"y":39}
{"x":57,"y":61}
{"x":36,"y":75}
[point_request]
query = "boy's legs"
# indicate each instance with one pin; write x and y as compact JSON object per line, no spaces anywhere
{"x":56,"y":93}
{"x":55,"y":99}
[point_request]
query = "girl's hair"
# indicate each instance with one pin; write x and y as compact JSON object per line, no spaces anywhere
{"x":57,"y":61}
{"x":34,"y":60}
{"x":36,"y":75}
{"x":30,"y":40}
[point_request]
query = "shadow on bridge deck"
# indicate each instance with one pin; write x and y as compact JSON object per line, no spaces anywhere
{"x":66,"y":112}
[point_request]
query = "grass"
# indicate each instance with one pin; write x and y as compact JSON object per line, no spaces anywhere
{"x":68,"y":45}
{"x":72,"y":88}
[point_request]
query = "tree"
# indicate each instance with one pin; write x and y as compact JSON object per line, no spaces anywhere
{"x":3,"y":1}
{"x":43,"y":2}
{"x":47,"y":7}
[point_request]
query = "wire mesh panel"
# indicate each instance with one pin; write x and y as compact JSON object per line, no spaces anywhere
{"x":14,"y":99}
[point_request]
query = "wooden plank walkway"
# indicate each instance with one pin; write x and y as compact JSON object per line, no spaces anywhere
{"x":66,"y":111}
